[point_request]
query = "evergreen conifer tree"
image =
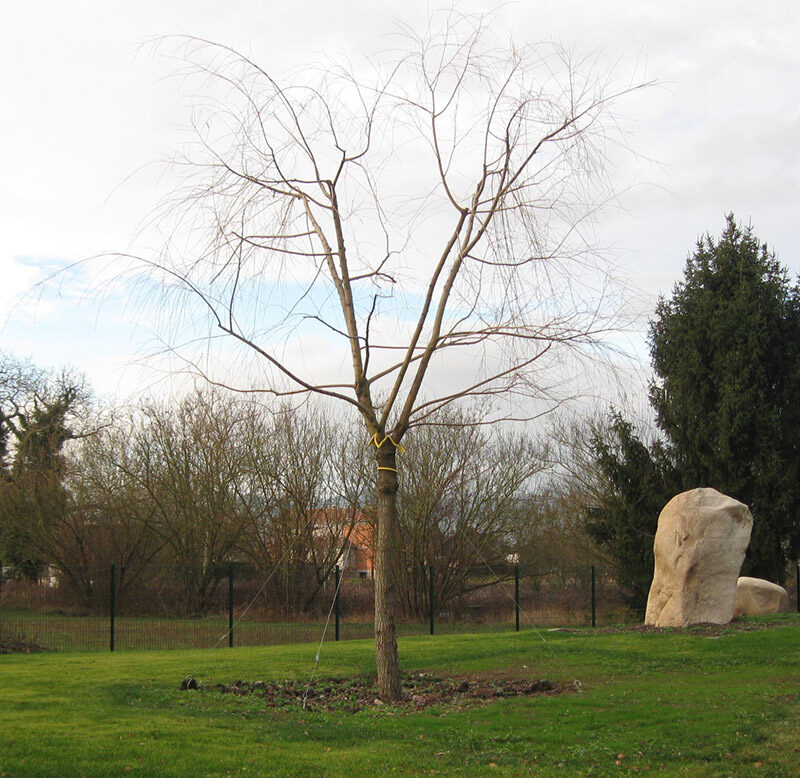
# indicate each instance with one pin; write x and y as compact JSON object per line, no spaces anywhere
{"x":725,"y":349}
{"x":636,"y":480}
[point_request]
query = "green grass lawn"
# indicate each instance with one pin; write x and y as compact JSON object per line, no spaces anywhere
{"x":669,"y":703}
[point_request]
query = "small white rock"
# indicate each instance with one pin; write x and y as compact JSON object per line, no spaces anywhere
{"x":757,"y":597}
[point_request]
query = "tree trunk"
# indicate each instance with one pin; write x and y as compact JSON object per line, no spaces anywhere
{"x":385,"y":596}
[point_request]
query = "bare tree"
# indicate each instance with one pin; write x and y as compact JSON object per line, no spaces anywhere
{"x":302,"y":515}
{"x":427,"y":218}
{"x":464,"y":501}
{"x":107,"y":518}
{"x":187,"y":464}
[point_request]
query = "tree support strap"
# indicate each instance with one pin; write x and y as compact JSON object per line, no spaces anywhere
{"x":398,"y":446}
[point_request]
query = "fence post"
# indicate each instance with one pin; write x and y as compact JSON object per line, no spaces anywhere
{"x":431,"y":599}
{"x":230,"y":604}
{"x":112,"y":606}
{"x":594,"y":598}
{"x":516,"y":598}
{"x":337,"y":579}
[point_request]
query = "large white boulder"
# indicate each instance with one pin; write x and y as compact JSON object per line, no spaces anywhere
{"x":757,"y":597}
{"x":699,"y":548}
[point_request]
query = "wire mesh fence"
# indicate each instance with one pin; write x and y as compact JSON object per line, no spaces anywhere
{"x":167,"y":607}
{"x":160,"y":607}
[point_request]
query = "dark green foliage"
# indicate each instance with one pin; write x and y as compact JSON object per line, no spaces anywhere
{"x":636,"y":481}
{"x":725,"y":349}
{"x":35,"y":410}
{"x":42,"y":432}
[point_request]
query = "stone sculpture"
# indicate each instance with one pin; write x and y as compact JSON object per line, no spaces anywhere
{"x":757,"y":597}
{"x":699,"y":547}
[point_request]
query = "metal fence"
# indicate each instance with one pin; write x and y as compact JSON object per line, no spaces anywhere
{"x":235,"y":605}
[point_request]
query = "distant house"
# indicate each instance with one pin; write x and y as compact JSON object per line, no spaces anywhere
{"x":354,"y":534}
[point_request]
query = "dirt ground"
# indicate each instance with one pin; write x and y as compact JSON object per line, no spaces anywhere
{"x":706,"y":628}
{"x":16,"y":646}
{"x":420,"y":690}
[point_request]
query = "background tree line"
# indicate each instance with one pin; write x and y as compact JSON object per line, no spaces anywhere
{"x":213,"y":478}
{"x":217,"y":477}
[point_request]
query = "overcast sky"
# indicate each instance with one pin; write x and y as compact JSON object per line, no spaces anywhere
{"x":88,"y":112}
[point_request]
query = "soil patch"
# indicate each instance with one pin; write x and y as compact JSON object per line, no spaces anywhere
{"x":420,"y":690}
{"x":705,"y":628}
{"x":17,"y":646}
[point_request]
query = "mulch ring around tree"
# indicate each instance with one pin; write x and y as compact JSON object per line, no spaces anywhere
{"x":420,"y":690}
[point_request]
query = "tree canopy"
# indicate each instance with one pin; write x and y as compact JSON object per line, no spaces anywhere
{"x":38,"y":415}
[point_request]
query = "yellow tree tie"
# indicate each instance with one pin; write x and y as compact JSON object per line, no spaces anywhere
{"x":398,"y":446}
